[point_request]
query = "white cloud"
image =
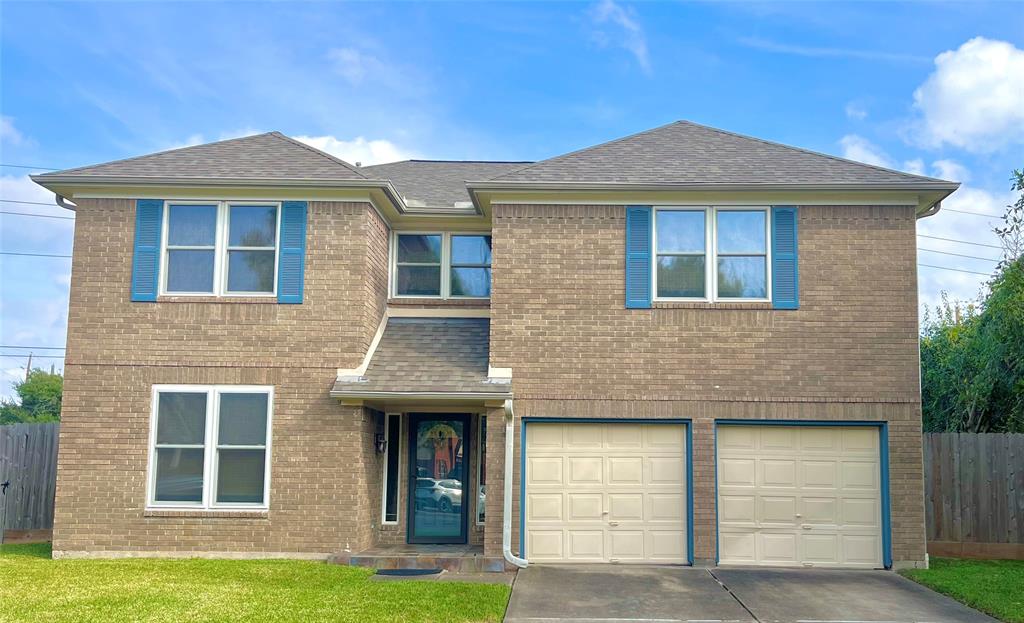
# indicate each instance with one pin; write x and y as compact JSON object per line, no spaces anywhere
{"x":856,"y":110}
{"x":974,"y":99}
{"x":352,"y":64}
{"x":856,"y":147}
{"x":827,"y":52}
{"x":630,"y":36}
{"x":915,"y":166}
{"x":952,"y":170}
{"x":862,"y":150}
{"x":10,"y":134}
{"x":198,"y":138}
{"x":359,"y":149}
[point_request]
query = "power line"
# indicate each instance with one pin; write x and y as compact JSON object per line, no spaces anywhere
{"x":979,"y":244}
{"x":33,"y":254}
{"x":39,"y":347}
{"x":974,"y":213}
{"x":959,"y":270}
{"x":30,"y":203}
{"x":32,"y":355}
{"x":66,"y":218}
{"x":25,"y":166}
{"x":973,"y":257}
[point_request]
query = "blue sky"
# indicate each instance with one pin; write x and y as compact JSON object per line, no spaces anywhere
{"x":930,"y":88}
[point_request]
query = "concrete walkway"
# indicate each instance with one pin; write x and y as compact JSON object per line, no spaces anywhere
{"x":649,"y":594}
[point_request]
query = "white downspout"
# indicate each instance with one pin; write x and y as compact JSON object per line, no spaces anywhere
{"x":506,"y":518}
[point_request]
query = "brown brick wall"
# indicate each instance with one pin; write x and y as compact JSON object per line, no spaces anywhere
{"x":323,"y":468}
{"x":849,"y":353}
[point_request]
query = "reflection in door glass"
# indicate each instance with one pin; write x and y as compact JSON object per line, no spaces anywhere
{"x":437,"y":504}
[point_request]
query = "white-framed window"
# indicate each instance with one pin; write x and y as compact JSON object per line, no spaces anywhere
{"x":441,"y":265}
{"x":712,"y":253}
{"x":481,"y":472}
{"x":392,"y":476}
{"x":209,"y":446}
{"x":220,"y":248}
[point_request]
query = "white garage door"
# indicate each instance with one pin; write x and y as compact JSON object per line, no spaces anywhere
{"x":600,"y":492}
{"x":799,"y":496}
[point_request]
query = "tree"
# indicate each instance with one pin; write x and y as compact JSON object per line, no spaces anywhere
{"x":972,"y":357}
{"x":39,"y":399}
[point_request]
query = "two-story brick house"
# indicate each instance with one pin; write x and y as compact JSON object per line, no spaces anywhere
{"x":699,"y":346}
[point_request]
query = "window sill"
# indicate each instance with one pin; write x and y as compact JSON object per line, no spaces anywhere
{"x":229,"y":300}
{"x":711,"y":305}
{"x":437,"y":302}
{"x":206,"y":513}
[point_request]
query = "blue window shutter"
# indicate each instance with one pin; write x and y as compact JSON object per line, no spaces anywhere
{"x":638,"y":257}
{"x":785,"y":272}
{"x":149,"y":219}
{"x":291,"y":264}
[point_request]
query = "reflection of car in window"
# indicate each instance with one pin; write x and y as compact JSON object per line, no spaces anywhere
{"x":444,"y":495}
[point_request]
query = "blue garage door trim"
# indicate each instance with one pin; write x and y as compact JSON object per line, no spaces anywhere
{"x":883,"y":459}
{"x":688,"y":461}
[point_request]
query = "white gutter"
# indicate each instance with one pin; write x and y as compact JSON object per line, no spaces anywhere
{"x":506,"y":517}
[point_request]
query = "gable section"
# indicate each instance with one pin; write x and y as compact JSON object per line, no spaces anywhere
{"x":266,"y":156}
{"x":688,"y":153}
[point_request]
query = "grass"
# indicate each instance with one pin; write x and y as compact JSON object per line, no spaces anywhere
{"x":36,"y":588}
{"x":992,"y":586}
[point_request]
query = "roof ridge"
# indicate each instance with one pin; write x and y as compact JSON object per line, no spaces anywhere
{"x":319,"y":152}
{"x":809,"y":151}
{"x":156,"y":153}
{"x":584,"y":149}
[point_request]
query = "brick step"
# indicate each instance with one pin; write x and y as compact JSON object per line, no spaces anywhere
{"x":454,"y":564}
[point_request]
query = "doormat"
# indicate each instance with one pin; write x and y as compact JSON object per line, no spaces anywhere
{"x":408,"y":571}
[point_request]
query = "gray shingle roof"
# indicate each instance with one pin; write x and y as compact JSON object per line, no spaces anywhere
{"x":437,"y":182}
{"x":447,"y":355}
{"x":688,"y":153}
{"x":267,"y":156}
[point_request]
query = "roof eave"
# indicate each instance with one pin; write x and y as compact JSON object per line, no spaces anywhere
{"x":633,"y":186}
{"x":373,"y":395}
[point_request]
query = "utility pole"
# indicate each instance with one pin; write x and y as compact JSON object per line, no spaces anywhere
{"x":28,"y":368}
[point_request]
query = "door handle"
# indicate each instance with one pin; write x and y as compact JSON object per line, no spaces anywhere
{"x":613,"y":523}
{"x":806,"y":526}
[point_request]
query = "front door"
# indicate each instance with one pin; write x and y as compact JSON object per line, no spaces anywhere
{"x":438,"y":466}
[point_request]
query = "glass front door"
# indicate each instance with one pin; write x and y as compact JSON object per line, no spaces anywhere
{"x":438,"y":457}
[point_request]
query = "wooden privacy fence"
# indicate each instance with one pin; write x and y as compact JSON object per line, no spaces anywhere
{"x":28,"y":461}
{"x":974,"y":494}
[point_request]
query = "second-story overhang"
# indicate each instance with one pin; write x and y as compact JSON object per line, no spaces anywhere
{"x":926,"y":196}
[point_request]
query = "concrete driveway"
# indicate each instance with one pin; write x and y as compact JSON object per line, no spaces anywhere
{"x":638,"y":594}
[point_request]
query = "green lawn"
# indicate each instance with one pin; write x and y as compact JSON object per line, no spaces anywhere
{"x":992,"y":586}
{"x":36,"y":588}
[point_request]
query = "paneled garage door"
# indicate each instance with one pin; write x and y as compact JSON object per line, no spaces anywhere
{"x":799,"y":496}
{"x":598,"y":492}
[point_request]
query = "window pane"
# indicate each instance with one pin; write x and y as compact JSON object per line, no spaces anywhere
{"x":251,"y":271}
{"x":419,"y":280}
{"x":190,"y":271}
{"x":394,"y":448}
{"x":179,"y":475}
{"x":181,"y":418}
{"x":680,"y":231}
{"x":192,"y":225}
{"x":741,"y":231}
{"x":681,"y":276}
{"x":240,"y":476}
{"x":419,"y":248}
{"x":742,"y":277}
{"x":243,"y":420}
{"x":471,"y":250}
{"x":471,"y":282}
{"x":252,"y":226}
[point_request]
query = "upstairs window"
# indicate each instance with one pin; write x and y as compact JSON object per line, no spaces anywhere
{"x":442,"y":265}
{"x":711,"y":254}
{"x":220,"y":248}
